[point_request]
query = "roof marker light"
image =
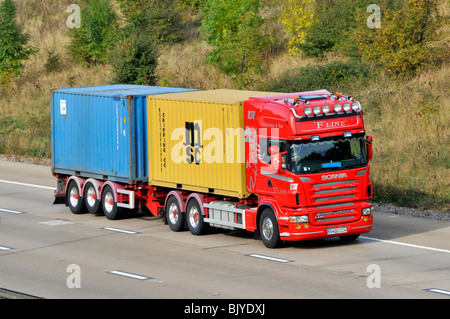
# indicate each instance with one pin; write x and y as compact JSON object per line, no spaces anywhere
{"x":356,"y":106}
{"x":316,"y":110}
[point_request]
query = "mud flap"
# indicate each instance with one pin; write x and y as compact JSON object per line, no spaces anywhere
{"x":59,"y":199}
{"x":60,"y":192}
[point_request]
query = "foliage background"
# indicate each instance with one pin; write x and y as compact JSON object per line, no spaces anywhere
{"x":399,"y":72}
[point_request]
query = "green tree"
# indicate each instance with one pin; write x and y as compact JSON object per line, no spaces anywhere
{"x":148,"y":25}
{"x":160,"y":20}
{"x":135,"y":59}
{"x":234,"y":30}
{"x":296,"y":16}
{"x":13,"y":43}
{"x":405,"y":43}
{"x":334,"y":22}
{"x":93,"y":41}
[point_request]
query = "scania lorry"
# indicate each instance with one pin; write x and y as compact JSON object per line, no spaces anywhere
{"x":288,"y":167}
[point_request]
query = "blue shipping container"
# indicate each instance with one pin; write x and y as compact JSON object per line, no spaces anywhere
{"x":101,"y":131}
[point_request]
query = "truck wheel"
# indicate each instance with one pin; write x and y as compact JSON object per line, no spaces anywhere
{"x":268,"y":227}
{"x":194,"y":218}
{"x":91,"y":199}
{"x":75,"y":201}
{"x":109,"y":204}
{"x":174,"y":216}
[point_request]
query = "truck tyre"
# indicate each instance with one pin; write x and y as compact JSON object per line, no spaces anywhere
{"x":91,"y":199}
{"x":194,"y":218}
{"x":174,"y":216}
{"x":109,"y":204}
{"x":268,"y":227}
{"x":75,"y":201}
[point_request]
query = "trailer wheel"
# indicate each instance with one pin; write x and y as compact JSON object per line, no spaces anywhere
{"x":174,"y":216}
{"x":109,"y":204}
{"x":76,"y":203}
{"x":194,"y":218}
{"x":91,"y":199}
{"x":268,"y":227}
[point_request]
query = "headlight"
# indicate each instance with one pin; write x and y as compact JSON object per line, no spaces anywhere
{"x":307,"y":111}
{"x":367,"y":211}
{"x":316,"y":110}
{"x":347,"y":107}
{"x":299,"y":219}
{"x":325,"y":109}
{"x":337,"y":107}
{"x":356,"y":106}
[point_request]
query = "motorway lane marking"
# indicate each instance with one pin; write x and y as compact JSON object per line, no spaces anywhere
{"x":4,"y":248}
{"x":406,"y":244}
{"x":25,"y":184}
{"x":129,"y":275}
{"x":280,"y":260}
{"x":55,"y":222}
{"x":11,"y":211}
{"x":129,"y":232}
{"x":439,"y":291}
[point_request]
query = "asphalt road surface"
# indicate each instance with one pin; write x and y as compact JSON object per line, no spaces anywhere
{"x":47,"y":252}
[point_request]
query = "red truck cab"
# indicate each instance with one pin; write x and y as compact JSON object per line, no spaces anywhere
{"x":308,"y":163}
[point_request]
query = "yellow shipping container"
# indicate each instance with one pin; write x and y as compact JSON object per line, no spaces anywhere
{"x":196,"y":141}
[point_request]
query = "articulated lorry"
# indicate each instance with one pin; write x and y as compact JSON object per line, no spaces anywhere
{"x":288,"y":167}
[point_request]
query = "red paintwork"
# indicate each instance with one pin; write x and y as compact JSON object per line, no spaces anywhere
{"x":272,"y":117}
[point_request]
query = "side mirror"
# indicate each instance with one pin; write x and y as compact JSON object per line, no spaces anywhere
{"x":369,"y":147}
{"x":275,"y":158}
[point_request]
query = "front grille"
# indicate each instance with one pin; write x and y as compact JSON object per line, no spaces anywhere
{"x":335,"y":216}
{"x":334,"y":201}
{"x":334,"y":190}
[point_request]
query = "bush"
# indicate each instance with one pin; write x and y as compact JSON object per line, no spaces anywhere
{"x":94,"y":40}
{"x":13,"y":43}
{"x":405,"y":42}
{"x":334,"y":76}
{"x":53,"y":63}
{"x":233,"y":29}
{"x":135,"y":60}
{"x":159,"y":20}
{"x":296,"y":16}
{"x":334,"y":21}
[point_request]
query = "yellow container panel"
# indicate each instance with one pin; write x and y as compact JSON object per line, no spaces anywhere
{"x":196,"y":141}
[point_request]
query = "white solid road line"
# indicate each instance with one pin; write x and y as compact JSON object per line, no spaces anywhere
{"x":25,"y":184}
{"x":408,"y":245}
{"x":439,"y":291}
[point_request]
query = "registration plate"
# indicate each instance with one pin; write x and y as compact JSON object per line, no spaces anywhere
{"x":337,"y":230}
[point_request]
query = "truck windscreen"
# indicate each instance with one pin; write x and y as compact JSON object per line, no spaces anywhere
{"x":327,"y":155}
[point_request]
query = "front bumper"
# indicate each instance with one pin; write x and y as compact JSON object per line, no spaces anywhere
{"x":307,"y":231}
